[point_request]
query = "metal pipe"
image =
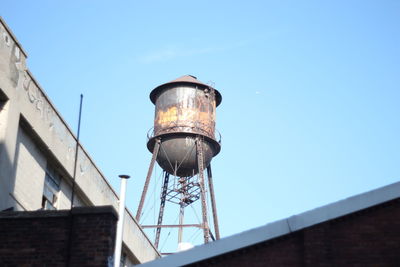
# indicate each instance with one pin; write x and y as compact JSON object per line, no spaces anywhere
{"x":76,"y":153}
{"x":71,"y":219}
{"x":120,"y":224}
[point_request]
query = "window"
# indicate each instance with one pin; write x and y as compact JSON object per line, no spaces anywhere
{"x":51,"y":189}
{"x":123,"y":260}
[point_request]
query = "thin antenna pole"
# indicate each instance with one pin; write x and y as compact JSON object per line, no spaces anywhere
{"x":76,"y":152}
{"x":71,"y":220}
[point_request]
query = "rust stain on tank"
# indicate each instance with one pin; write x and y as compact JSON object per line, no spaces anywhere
{"x":168,"y":116}
{"x":185,"y":109}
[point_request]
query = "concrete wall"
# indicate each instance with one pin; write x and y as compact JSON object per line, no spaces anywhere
{"x":12,"y":61}
{"x":29,"y":173}
{"x":32,"y":135}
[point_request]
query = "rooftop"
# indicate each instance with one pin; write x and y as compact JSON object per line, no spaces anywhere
{"x":282,"y":227}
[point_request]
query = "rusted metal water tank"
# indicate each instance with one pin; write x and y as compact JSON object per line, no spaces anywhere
{"x":185,"y":108}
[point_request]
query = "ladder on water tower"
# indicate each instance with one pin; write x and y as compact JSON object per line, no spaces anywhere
{"x":200,"y":163}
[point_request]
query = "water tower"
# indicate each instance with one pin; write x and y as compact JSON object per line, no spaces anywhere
{"x":183,"y":142}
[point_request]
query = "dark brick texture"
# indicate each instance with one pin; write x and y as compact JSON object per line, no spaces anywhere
{"x":81,"y":237}
{"x":370,"y":237}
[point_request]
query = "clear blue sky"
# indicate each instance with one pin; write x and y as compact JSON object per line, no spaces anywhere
{"x":311,"y":91}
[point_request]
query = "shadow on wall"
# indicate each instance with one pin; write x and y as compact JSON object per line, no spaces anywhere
{"x":7,"y":177}
{"x":12,"y":64}
{"x":6,"y":182}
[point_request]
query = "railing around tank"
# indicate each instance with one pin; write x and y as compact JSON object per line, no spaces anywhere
{"x":194,"y":130}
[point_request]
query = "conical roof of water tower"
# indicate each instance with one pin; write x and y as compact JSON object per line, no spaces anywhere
{"x":186,"y":79}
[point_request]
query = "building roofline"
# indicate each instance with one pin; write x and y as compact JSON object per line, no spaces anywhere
{"x":86,"y":153}
{"x":281,"y":227}
{"x":106,"y":209}
{"x":53,"y":106}
{"x":60,"y":117}
{"x":69,"y":129}
{"x":13,"y":36}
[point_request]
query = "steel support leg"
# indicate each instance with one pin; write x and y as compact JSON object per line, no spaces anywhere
{"x":162,"y":205}
{"x":200,"y":163}
{"x":182,"y":184}
{"x":146,"y":184}
{"x":214,"y":206}
{"x":181,"y":216}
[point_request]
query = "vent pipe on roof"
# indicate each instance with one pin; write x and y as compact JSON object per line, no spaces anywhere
{"x":120,"y":224}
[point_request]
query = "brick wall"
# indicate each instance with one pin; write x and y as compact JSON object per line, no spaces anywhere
{"x":369,"y":237}
{"x":41,"y":238}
